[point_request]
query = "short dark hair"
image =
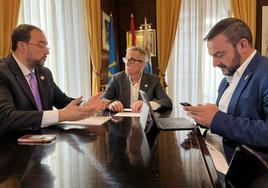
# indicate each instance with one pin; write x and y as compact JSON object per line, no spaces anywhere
{"x":22,"y":33}
{"x":233,"y":29}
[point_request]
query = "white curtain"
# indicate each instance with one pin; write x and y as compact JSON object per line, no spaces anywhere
{"x":190,"y":74}
{"x":63,"y":22}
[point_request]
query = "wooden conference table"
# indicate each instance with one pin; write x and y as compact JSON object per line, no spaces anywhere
{"x":116,"y":154}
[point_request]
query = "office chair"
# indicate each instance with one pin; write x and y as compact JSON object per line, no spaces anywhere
{"x":246,"y":169}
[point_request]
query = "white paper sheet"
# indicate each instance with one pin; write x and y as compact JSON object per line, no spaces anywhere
{"x":127,"y":114}
{"x":218,"y":159}
{"x":127,"y":110}
{"x":94,"y":121}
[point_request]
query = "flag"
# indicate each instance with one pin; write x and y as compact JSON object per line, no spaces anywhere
{"x":113,"y":68}
{"x":132,"y":31}
{"x":146,"y":46}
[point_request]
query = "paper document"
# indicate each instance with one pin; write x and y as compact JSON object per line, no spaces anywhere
{"x":127,"y":110}
{"x":128,"y":114}
{"x":94,"y":120}
{"x":218,"y":159}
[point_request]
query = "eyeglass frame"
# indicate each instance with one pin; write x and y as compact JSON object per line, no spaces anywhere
{"x":41,"y":46}
{"x":131,"y":60}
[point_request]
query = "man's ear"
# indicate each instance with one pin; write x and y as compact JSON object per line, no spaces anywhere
{"x":242,"y":45}
{"x":21,"y":46}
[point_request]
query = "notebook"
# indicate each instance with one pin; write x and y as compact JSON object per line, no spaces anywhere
{"x":167,"y":123}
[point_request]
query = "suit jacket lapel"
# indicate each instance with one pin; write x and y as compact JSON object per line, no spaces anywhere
{"x":245,"y":78}
{"x":238,"y":91}
{"x":221,"y":90}
{"x":144,"y":84}
{"x":14,"y":68}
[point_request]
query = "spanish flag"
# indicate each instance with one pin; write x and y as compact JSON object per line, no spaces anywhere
{"x":132,"y":41}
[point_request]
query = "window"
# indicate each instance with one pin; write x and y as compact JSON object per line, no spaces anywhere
{"x":64,"y":25}
{"x":191,"y":76}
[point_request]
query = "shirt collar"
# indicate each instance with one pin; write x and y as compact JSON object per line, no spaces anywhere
{"x":239,"y":72}
{"x":23,"y":68}
{"x":138,"y":81}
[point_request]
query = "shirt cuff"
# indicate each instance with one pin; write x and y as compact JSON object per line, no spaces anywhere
{"x":155,"y":105}
{"x":50,"y":117}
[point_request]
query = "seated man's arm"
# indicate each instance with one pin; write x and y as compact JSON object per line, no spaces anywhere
{"x":111,"y":94}
{"x":161,"y":98}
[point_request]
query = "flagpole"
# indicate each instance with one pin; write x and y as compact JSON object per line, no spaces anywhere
{"x":146,"y":46}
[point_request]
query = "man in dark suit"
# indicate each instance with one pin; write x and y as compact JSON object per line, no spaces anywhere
{"x":123,"y":90}
{"x":241,"y":113}
{"x":27,"y":104}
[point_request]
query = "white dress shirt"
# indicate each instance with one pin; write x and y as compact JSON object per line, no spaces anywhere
{"x":134,"y":91}
{"x":134,"y":94}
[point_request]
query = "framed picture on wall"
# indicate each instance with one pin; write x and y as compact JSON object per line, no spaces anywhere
{"x":264,"y":36}
{"x":140,"y":40}
{"x":105,"y":31}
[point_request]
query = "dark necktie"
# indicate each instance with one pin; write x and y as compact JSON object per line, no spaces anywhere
{"x":35,"y":91}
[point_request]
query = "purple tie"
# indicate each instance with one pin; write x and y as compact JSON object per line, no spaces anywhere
{"x":35,"y":91}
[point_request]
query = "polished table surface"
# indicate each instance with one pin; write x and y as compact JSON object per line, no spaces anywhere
{"x":115,"y":154}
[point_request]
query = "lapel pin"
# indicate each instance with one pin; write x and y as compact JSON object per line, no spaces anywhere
{"x":42,"y":77}
{"x":146,"y":85}
{"x":246,"y":77}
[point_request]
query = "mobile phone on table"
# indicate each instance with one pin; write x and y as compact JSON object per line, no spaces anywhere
{"x":185,"y":104}
{"x":31,"y":138}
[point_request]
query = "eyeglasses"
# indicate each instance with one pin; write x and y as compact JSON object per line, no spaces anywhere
{"x":131,"y":60}
{"x":41,"y":46}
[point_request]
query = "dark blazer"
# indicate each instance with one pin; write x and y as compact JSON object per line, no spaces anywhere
{"x":119,"y":89}
{"x":246,"y":120}
{"x":18,"y":110}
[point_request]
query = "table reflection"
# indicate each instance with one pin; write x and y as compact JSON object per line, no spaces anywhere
{"x":116,"y":154}
{"x":21,"y":164}
{"x":128,"y":142}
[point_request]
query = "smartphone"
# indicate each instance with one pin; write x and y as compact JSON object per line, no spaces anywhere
{"x":185,"y":104}
{"x":188,"y":104}
{"x":31,"y":138}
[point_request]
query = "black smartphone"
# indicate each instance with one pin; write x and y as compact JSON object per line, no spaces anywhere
{"x":188,"y":104}
{"x":185,"y":104}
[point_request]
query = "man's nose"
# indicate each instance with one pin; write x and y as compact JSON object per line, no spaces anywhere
{"x":47,"y":51}
{"x":216,"y":62}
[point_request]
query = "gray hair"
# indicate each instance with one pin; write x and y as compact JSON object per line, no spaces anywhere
{"x":141,"y":51}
